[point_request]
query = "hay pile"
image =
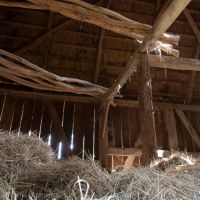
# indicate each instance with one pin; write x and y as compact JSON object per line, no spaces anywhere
{"x":28,"y":170}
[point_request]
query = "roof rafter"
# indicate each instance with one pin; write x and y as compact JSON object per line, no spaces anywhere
{"x":196,"y":54}
{"x":99,"y":52}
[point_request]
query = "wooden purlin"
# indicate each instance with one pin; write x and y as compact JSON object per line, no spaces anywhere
{"x":109,"y":20}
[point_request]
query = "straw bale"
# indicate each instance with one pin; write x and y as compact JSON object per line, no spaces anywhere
{"x":29,"y":171}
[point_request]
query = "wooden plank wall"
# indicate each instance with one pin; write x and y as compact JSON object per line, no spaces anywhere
{"x":35,"y":117}
{"x":123,"y":124}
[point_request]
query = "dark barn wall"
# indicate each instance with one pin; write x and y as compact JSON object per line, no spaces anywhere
{"x":27,"y":114}
{"x":24,"y":114}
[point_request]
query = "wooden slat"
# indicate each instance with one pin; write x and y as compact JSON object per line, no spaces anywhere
{"x":129,"y":162}
{"x":188,"y":126}
{"x":170,"y":124}
{"x":124,"y":151}
{"x":146,"y":110}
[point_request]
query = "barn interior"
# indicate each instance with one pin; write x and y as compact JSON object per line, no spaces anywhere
{"x":114,"y":79}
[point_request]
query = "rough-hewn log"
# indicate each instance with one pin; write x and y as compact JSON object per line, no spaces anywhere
{"x":170,"y":125}
{"x":22,"y":71}
{"x":162,"y":24}
{"x":107,"y":19}
{"x":146,"y":111}
{"x":188,"y":126}
{"x":19,"y":4}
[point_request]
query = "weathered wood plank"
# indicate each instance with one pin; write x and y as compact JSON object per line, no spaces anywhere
{"x":124,"y":151}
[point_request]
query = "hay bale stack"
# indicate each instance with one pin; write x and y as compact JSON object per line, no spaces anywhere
{"x":21,"y":153}
{"x":28,"y":170}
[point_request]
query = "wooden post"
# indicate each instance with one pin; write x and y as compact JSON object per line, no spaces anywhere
{"x":103,"y":135}
{"x":170,"y":124}
{"x":146,"y":110}
{"x":59,"y":132}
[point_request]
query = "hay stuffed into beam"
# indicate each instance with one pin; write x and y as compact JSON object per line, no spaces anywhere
{"x":30,"y":171}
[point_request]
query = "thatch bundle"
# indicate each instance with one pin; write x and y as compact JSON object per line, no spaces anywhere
{"x":35,"y":174}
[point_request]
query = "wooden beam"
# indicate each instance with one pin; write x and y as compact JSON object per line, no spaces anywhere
{"x":99,"y":54}
{"x":99,"y":51}
{"x":146,"y":111}
{"x":124,"y":151}
{"x":38,"y":40}
{"x":170,"y":124}
{"x":188,"y":126}
{"x":18,"y":4}
{"x":90,"y":100}
{"x":191,"y":80}
{"x":164,"y":7}
{"x":107,"y":19}
{"x":196,"y":54}
{"x":192,"y":24}
{"x":103,"y":137}
{"x":59,"y":132}
{"x":162,"y":24}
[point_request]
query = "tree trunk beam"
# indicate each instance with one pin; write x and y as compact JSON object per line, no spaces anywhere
{"x":146,"y":111}
{"x":109,"y":20}
{"x":22,"y":71}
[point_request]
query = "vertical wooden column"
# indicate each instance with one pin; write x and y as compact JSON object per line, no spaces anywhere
{"x":103,"y":134}
{"x":146,"y":110}
{"x":170,"y":124}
